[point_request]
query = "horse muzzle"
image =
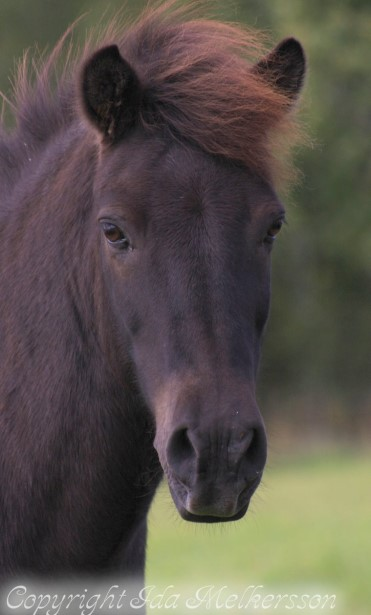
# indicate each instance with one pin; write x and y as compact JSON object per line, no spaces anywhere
{"x":212,"y":476}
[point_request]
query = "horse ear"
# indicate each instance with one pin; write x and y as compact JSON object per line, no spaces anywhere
{"x":110,"y":93}
{"x":284,"y":67}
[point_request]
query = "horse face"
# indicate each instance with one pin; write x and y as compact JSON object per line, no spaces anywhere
{"x":185,"y":244}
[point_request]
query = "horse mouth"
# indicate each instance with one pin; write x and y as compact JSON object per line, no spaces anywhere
{"x":213,"y":511}
{"x":188,"y":516}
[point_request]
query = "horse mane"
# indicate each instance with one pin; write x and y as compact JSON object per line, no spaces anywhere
{"x":197,"y":81}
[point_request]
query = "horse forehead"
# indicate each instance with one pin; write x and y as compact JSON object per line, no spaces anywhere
{"x":209,"y":193}
{"x":174,"y":181}
{"x":188,"y":171}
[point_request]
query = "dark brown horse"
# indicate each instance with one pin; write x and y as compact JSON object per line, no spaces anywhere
{"x":137,"y":220}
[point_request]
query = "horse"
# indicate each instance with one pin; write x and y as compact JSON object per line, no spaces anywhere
{"x":138,"y":213}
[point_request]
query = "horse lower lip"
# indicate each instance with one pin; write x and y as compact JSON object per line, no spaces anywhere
{"x":198,"y":513}
{"x":219,"y":508}
{"x":187,"y":516}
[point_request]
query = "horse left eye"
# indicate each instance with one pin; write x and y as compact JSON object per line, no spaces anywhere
{"x":273,"y":231}
{"x":115,"y":235}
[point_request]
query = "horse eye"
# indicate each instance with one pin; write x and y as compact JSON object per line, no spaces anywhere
{"x":115,"y":235}
{"x":273,"y":230}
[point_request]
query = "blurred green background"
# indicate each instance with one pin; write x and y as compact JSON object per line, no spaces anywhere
{"x":310,"y":523}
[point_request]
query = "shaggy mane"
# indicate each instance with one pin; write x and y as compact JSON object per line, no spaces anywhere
{"x":198,"y":86}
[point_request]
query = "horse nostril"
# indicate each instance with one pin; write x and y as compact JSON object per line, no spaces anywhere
{"x":247,"y":440}
{"x":180,"y":453}
{"x":253,"y":449}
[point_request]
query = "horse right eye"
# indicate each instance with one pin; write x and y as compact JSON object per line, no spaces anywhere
{"x":115,"y":236}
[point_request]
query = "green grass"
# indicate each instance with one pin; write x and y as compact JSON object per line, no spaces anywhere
{"x":308,"y":530}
